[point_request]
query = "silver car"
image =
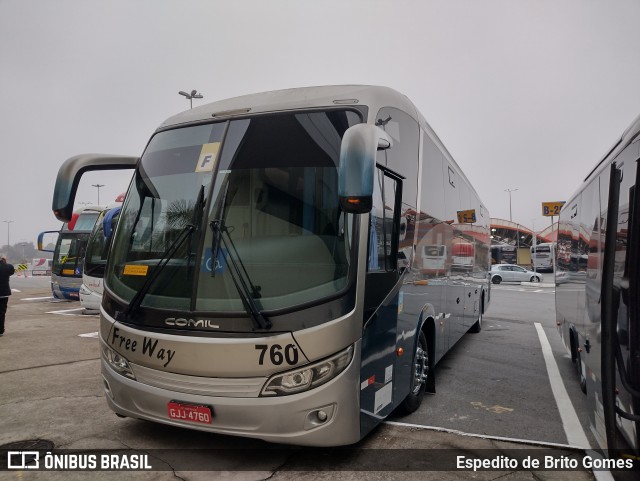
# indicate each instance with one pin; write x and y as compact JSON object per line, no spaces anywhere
{"x":513,"y":273}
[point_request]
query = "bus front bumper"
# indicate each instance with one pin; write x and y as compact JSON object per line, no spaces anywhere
{"x":90,"y":299}
{"x":295,"y":419}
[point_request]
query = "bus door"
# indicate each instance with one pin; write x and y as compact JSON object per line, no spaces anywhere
{"x":383,"y":300}
{"x":620,"y":287}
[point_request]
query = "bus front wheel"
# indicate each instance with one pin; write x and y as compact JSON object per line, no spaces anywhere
{"x":419,"y":378}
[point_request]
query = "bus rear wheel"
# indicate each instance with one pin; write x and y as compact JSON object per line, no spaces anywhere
{"x":477,"y":326}
{"x":581,"y":376}
{"x":420,"y":370}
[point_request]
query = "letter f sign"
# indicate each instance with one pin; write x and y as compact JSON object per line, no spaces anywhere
{"x":207,"y":158}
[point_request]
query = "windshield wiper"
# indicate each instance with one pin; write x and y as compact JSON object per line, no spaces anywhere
{"x":215,"y":241}
{"x":196,"y":220}
{"x":166,"y":257}
{"x":246,"y":289}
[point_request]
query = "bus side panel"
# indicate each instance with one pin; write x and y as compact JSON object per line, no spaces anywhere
{"x":386,"y":375}
{"x":433,"y":236}
{"x":377,"y":366}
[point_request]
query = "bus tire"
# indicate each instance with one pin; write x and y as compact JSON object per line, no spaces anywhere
{"x":581,"y":376}
{"x":477,"y":326}
{"x":420,"y":370}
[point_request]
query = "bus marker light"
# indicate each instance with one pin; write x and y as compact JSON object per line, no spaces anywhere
{"x":399,"y":351}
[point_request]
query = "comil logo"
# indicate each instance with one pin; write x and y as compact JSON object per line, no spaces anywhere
{"x":23,"y":459}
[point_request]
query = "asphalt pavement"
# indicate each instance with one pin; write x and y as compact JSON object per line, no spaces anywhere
{"x":52,"y":397}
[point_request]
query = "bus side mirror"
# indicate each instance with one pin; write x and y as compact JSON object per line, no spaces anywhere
{"x":69,"y":175}
{"x":357,"y":166}
{"x":41,"y":240}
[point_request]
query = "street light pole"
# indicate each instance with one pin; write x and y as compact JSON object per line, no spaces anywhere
{"x":98,"y":186}
{"x":510,"y":190}
{"x":8,"y":222}
{"x":193,"y":95}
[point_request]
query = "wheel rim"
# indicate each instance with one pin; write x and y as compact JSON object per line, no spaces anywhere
{"x":535,"y":279}
{"x":421,"y":369}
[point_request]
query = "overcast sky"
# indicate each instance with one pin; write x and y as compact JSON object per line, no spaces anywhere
{"x":525,"y":94}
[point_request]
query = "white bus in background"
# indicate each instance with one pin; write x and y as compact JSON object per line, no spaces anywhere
{"x":260,"y":278}
{"x":434,"y":259}
{"x":542,"y":257}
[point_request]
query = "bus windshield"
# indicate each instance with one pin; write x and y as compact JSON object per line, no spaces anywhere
{"x":69,"y":254}
{"x":270,"y":182}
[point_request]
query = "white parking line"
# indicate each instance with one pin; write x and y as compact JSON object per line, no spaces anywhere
{"x":66,"y":312}
{"x":89,"y":334}
{"x":570,"y":422}
{"x":484,"y":436}
{"x":15,"y":290}
{"x":36,"y":298}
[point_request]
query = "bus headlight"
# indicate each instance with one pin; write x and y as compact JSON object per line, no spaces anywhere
{"x":118,"y":362}
{"x":308,"y":377}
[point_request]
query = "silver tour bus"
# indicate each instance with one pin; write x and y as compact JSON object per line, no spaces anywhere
{"x":597,"y":308}
{"x":263,"y":278}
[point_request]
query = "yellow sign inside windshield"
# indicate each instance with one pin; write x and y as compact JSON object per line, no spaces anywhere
{"x":208,"y":157}
{"x":135,"y":270}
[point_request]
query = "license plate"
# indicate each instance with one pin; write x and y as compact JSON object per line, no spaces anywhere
{"x":189,"y":412}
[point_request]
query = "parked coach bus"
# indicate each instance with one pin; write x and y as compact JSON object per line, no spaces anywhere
{"x":597,"y":304}
{"x":263,"y":278}
{"x":68,"y":256}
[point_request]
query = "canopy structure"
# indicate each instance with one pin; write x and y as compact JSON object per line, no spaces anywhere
{"x":511,"y":233}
